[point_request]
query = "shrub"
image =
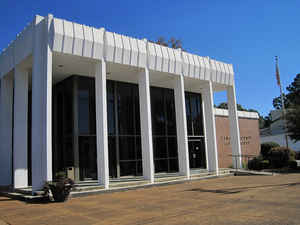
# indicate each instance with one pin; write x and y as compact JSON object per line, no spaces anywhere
{"x":266,"y":147}
{"x":293,"y":164}
{"x":258,"y":163}
{"x":60,"y":189}
{"x":280,"y":157}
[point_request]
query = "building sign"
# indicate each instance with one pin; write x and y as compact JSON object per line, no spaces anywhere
{"x":245,"y":140}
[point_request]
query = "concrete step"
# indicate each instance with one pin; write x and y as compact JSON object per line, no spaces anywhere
{"x":23,"y":197}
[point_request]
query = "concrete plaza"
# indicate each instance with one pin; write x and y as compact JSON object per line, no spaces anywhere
{"x":228,"y":200}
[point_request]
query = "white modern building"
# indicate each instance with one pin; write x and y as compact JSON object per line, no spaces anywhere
{"x":105,"y":105}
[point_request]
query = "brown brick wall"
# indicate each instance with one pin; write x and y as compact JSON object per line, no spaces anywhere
{"x":250,"y":140}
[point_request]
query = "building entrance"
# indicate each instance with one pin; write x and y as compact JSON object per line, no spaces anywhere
{"x":197,"y":153}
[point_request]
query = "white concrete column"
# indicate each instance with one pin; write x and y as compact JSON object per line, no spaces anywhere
{"x":6,"y":130}
{"x":210,"y":128}
{"x":20,"y":128}
{"x":234,"y":127}
{"x":41,"y":105}
{"x":181,"y":126}
{"x":146,"y":125}
{"x":101,"y":124}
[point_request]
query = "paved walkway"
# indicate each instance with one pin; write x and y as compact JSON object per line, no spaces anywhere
{"x":251,"y":200}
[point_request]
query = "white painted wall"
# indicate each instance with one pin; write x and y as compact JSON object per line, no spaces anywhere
{"x":20,"y":128}
{"x":6,"y":131}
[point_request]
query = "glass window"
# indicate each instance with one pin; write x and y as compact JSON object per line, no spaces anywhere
{"x":188,"y":114}
{"x":110,"y":108}
{"x":161,"y":165}
{"x":173,"y":165}
{"x":160,"y":147}
{"x":157,"y":111}
{"x":125,"y":108}
{"x":83,"y":111}
{"x":172,"y":147}
{"x":170,"y":110}
{"x":127,"y":148}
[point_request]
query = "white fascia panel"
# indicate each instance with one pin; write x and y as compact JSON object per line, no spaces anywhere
{"x":165,"y":67}
{"x":178,"y":59}
{"x":224,"y":73}
{"x":159,"y":57}
{"x":213,"y":69}
{"x":197,"y":66}
{"x":201,"y":68}
{"x":23,"y":44}
{"x":98,"y":44}
{"x":171,"y":60}
{"x":142,"y":53}
{"x":151,"y":56}
{"x":192,"y":65}
{"x":78,"y":39}
{"x":207,"y":68}
{"x":68,"y":37}
{"x":219,"y":72}
{"x":88,"y":41}
{"x":227,"y":73}
{"x":134,"y":52}
{"x":126,"y":50}
{"x":185,"y":64}
{"x":231,"y":74}
{"x":109,"y":46}
{"x":58,"y":35}
{"x":118,"y":49}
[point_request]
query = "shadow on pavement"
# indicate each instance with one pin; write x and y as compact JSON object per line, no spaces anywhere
{"x":240,"y":189}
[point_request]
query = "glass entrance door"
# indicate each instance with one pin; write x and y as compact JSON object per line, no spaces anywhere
{"x":88,"y":158}
{"x":197,"y":153}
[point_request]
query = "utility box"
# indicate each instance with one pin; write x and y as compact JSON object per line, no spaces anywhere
{"x":71,"y":173}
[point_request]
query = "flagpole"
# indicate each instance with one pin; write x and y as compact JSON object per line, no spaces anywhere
{"x":282,"y":102}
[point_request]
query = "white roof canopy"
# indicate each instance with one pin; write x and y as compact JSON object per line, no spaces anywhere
{"x":89,"y":42}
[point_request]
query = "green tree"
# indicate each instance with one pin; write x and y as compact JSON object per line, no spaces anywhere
{"x":224,"y":105}
{"x":293,"y":118}
{"x":293,"y":113}
{"x":293,"y":96}
{"x":172,"y":43}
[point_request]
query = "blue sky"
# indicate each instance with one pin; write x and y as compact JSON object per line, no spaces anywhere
{"x":247,"y":34}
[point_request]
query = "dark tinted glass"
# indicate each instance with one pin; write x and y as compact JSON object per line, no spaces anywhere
{"x":110,"y":108}
{"x":160,"y":147}
{"x":194,"y":115}
{"x":188,"y":114}
{"x":83,"y":111}
{"x":173,"y":165}
{"x":125,"y":108}
{"x":127,"y":168}
{"x":157,"y":111}
{"x":172,"y":147}
{"x":112,"y":156}
{"x":170,"y":111}
{"x":161,"y":165}
{"x":127,"y":148}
